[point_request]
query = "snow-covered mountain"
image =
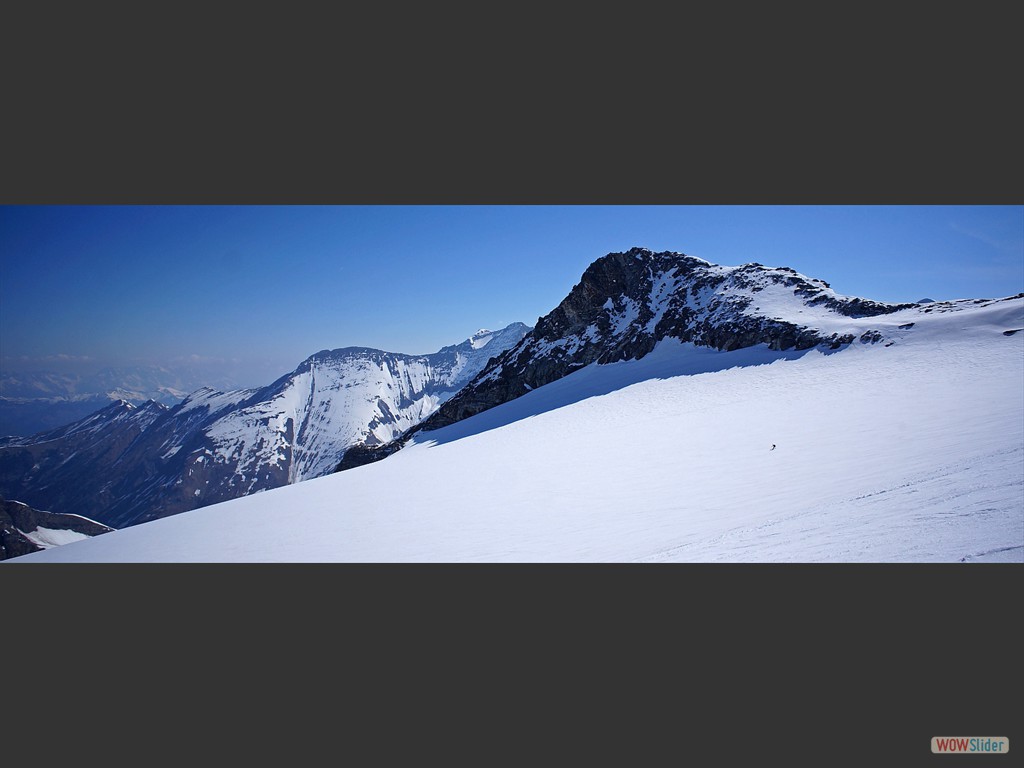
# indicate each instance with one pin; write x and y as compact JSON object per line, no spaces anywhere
{"x":127,"y":464}
{"x":29,"y":415}
{"x":24,"y":529}
{"x":343,"y":397}
{"x":728,"y":414}
{"x":627,"y":302}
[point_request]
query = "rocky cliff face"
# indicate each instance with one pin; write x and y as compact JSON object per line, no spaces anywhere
{"x":24,"y":529}
{"x":625,"y":303}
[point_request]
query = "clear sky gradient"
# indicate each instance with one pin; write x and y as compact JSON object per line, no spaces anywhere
{"x":253,"y":290}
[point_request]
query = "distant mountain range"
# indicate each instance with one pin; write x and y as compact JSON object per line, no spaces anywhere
{"x":127,"y":464}
{"x":36,"y":401}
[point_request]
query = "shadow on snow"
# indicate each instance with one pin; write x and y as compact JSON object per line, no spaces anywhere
{"x":668,"y":360}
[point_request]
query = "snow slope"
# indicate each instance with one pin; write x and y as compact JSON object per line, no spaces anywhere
{"x":907,"y":450}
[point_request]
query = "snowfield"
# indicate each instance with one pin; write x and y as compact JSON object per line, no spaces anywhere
{"x":52,"y":537}
{"x":906,"y":450}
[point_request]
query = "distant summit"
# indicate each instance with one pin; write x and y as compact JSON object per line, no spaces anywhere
{"x":127,"y":464}
{"x":484,"y":336}
{"x":32,"y":402}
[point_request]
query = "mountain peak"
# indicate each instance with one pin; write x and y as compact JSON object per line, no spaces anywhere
{"x":626,"y":302}
{"x":480,"y":338}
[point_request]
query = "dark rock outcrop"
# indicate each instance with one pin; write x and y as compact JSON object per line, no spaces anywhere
{"x":18,"y":523}
{"x":358,"y":455}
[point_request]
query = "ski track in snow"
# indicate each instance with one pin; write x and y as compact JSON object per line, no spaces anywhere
{"x":953,"y":500}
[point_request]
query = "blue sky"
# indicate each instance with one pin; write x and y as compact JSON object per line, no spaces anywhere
{"x":255,"y":289}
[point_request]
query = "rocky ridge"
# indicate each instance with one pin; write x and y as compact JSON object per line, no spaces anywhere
{"x":625,"y":303}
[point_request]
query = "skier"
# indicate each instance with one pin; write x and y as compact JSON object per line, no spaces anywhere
{"x":772,"y":448}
